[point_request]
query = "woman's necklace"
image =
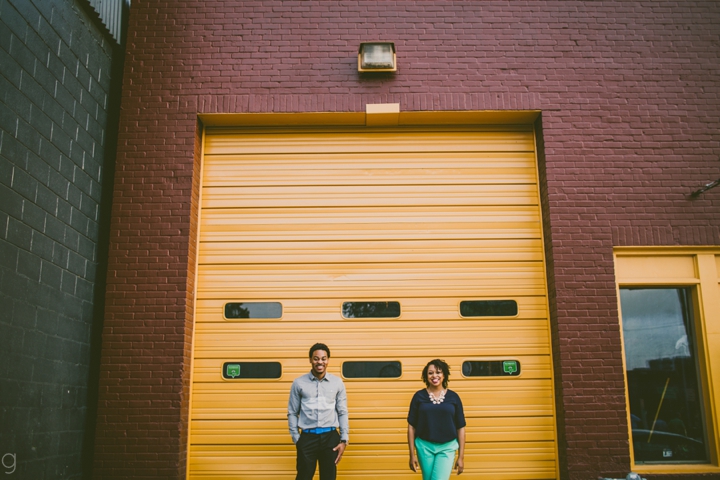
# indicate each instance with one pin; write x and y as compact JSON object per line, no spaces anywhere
{"x":439,"y":399}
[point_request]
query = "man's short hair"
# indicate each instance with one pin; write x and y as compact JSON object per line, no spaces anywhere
{"x":319,"y":346}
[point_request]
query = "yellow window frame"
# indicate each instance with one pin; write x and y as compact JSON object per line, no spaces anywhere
{"x":698,"y":268}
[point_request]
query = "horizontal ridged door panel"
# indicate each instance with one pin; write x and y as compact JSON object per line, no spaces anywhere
{"x":426,"y":218}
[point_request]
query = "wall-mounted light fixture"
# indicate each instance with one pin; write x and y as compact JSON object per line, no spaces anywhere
{"x":377,"y":57}
{"x":704,"y":189}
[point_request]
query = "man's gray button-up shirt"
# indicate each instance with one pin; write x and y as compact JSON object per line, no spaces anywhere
{"x":318,"y":404}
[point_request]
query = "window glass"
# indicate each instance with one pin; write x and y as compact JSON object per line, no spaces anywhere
{"x":372,"y":369}
{"x":239,"y":370}
{"x":253,"y":310}
{"x":666,"y":407}
{"x":371,"y":309}
{"x":488,"y":308}
{"x":491,"y":368}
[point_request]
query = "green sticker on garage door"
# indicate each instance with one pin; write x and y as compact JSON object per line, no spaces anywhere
{"x":510,"y":366}
{"x":232,"y":370}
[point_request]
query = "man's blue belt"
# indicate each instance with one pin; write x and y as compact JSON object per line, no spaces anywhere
{"x":318,"y":431}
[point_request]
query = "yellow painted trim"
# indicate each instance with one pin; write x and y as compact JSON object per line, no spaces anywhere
{"x":628,"y":419}
{"x":710,"y":323}
{"x":707,"y":311}
{"x":675,"y":469}
{"x":191,"y":366}
{"x":359,"y":119}
{"x":667,"y":250}
{"x":547,"y":296}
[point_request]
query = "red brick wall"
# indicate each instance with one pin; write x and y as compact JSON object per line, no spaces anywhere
{"x":629,"y":94}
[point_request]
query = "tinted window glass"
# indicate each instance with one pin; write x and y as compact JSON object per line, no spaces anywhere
{"x":491,"y":368}
{"x":488,"y":308}
{"x":253,"y":310}
{"x":666,"y":408}
{"x":239,"y":370}
{"x":381,"y":369}
{"x":371,"y":309}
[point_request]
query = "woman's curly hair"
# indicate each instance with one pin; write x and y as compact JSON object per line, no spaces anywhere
{"x":440,"y":364}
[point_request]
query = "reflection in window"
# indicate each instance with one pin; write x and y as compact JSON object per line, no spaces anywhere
{"x":372,"y":369}
{"x":488,"y":308}
{"x":491,"y":368}
{"x":253,"y":310}
{"x":666,"y":407}
{"x":371,"y":309}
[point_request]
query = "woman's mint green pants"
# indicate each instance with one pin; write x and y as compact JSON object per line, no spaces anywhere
{"x":436,"y":459}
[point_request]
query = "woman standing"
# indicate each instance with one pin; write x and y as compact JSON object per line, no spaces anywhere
{"x":436,"y":425}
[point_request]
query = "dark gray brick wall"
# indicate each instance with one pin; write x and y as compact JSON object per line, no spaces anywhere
{"x":55,"y":87}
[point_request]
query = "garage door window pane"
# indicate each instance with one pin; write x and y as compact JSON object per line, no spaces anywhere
{"x":491,"y":368}
{"x":666,"y":406}
{"x":371,"y":309}
{"x":488,"y":308}
{"x":240,"y":370}
{"x":263,"y":310}
{"x":372,"y":369}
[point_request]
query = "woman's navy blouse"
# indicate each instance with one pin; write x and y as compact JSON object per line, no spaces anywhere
{"x":436,"y":423}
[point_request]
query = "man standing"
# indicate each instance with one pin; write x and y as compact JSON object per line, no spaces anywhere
{"x":317,"y":408}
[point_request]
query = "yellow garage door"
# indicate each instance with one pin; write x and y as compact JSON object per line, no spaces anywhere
{"x":393,"y":247}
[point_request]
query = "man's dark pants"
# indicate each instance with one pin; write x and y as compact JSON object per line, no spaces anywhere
{"x":314,"y":449}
